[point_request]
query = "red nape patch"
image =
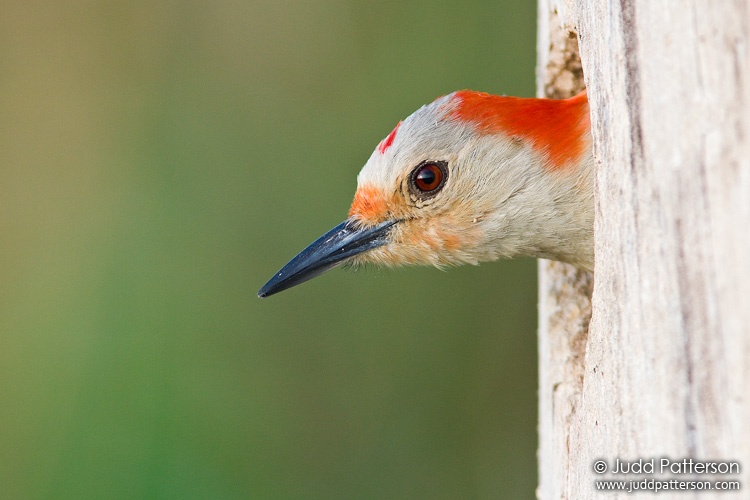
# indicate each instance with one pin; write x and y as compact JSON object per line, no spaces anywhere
{"x":386,"y":143}
{"x":555,"y":127}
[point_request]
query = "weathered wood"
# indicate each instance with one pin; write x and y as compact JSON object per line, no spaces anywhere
{"x":564,"y":291}
{"x":666,"y":363}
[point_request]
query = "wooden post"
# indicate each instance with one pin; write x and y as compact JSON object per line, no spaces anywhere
{"x":564,"y":291}
{"x":664,"y":371}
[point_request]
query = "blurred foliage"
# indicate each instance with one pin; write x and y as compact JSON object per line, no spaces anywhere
{"x":159,"y":161}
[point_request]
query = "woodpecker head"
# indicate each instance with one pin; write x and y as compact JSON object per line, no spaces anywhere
{"x":470,"y":177}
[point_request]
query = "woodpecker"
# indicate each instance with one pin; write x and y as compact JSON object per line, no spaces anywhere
{"x":468,"y":178}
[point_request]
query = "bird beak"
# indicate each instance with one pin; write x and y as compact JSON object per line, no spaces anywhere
{"x":339,"y":244}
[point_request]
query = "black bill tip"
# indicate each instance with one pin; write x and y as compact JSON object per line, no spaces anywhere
{"x":333,"y":248}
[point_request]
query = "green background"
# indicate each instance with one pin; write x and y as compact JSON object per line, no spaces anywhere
{"x":160,"y":160}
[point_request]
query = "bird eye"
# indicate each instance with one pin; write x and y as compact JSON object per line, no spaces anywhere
{"x":429,"y":177}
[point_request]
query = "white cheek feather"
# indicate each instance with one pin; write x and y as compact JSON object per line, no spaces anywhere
{"x":527,"y":207}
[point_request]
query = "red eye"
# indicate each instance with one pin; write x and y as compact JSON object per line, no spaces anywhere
{"x":429,"y":177}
